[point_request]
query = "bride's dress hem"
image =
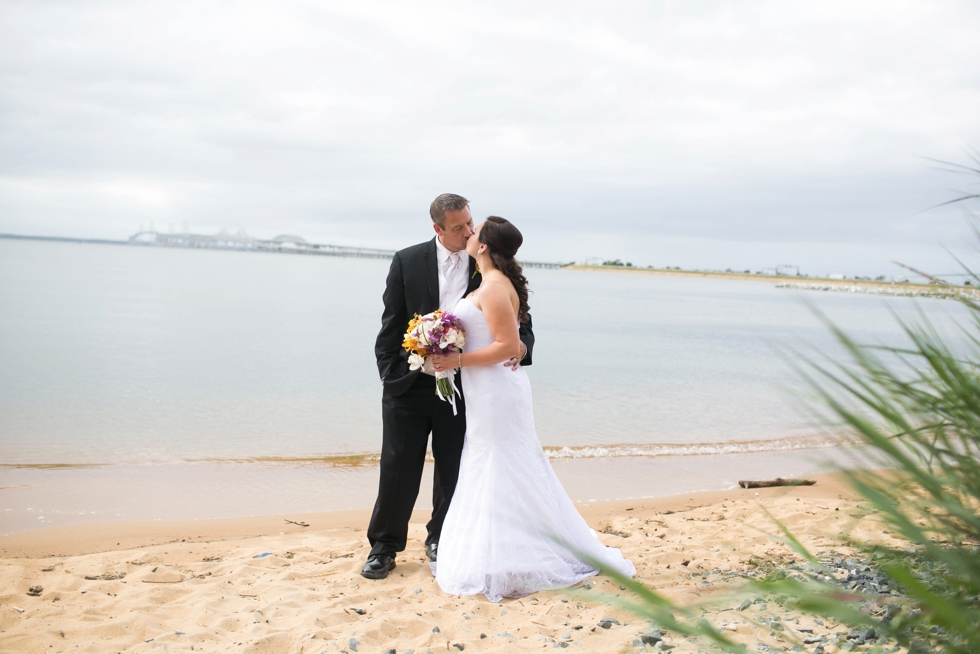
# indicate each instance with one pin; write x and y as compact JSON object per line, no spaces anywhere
{"x":513,"y":594}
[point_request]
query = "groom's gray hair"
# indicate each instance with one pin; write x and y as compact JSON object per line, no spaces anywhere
{"x":446,"y":202}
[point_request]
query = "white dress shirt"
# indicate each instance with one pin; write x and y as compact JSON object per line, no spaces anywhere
{"x":453,"y":270}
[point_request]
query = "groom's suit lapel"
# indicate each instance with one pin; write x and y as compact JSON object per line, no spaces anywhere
{"x":474,"y":279}
{"x":431,"y":263}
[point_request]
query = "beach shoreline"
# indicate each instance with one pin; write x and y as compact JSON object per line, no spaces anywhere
{"x":272,"y":585}
{"x":35,"y":499}
{"x":779,"y":279}
{"x":100,"y":537}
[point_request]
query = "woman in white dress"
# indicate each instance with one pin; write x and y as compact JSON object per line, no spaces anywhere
{"x":511,"y":529}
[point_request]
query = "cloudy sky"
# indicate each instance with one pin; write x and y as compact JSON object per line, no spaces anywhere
{"x":709,"y":134}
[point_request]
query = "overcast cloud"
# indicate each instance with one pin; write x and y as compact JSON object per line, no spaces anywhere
{"x":707,"y":134}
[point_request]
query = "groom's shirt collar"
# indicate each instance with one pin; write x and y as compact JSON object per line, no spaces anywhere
{"x":442,"y":252}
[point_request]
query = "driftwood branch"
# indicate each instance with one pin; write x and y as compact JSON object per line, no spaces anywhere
{"x":776,"y":482}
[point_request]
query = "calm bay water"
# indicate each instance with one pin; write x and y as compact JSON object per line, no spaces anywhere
{"x":186,"y":376}
{"x":114,"y":354}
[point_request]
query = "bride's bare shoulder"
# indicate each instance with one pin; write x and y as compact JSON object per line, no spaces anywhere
{"x":495,"y":290}
{"x":498,"y":284}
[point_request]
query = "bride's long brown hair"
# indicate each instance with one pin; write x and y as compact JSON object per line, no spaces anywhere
{"x":503,"y":240}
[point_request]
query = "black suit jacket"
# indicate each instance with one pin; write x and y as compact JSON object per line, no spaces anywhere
{"x":413,"y":287}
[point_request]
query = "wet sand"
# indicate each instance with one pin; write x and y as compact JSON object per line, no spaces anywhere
{"x":33,"y":498}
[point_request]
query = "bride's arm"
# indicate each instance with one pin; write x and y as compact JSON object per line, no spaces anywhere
{"x":498,"y":309}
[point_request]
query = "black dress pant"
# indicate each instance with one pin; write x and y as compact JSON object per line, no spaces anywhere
{"x":407,"y":422}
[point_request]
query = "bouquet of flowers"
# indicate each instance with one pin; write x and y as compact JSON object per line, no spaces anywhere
{"x":438,"y":332}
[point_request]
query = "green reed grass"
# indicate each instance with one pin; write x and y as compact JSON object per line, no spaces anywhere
{"x":917,"y":410}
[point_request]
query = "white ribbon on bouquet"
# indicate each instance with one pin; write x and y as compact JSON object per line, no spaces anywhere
{"x":451,"y":376}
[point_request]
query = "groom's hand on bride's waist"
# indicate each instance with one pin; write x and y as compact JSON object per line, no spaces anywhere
{"x":515,"y":362}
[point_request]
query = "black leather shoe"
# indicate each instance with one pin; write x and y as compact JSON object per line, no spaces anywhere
{"x":431,"y":551}
{"x":378,"y":566}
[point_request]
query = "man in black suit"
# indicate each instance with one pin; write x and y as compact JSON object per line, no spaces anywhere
{"x":422,"y":278}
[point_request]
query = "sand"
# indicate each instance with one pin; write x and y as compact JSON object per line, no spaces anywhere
{"x":201,"y":586}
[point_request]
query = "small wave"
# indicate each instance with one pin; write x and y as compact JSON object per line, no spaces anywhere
{"x":692,"y":449}
{"x":584,"y":451}
{"x":554,"y":452}
{"x":51,"y":466}
{"x":337,"y":460}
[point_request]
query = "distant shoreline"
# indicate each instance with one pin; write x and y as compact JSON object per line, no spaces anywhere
{"x":806,"y":283}
{"x":790,"y":279}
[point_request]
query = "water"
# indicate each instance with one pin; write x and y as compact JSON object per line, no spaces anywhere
{"x":131,"y":357}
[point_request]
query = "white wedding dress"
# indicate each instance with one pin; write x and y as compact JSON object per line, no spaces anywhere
{"x":511,"y":529}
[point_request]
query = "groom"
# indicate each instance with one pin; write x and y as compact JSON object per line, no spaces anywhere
{"x":425,"y":277}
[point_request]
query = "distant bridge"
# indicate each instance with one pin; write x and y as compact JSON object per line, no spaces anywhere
{"x":284,"y":243}
{"x":224,"y":240}
{"x":544,"y":264}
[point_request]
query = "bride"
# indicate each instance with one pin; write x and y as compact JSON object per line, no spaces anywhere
{"x":511,"y":529}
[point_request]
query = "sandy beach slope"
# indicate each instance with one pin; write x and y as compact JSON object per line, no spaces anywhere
{"x":201,"y":586}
